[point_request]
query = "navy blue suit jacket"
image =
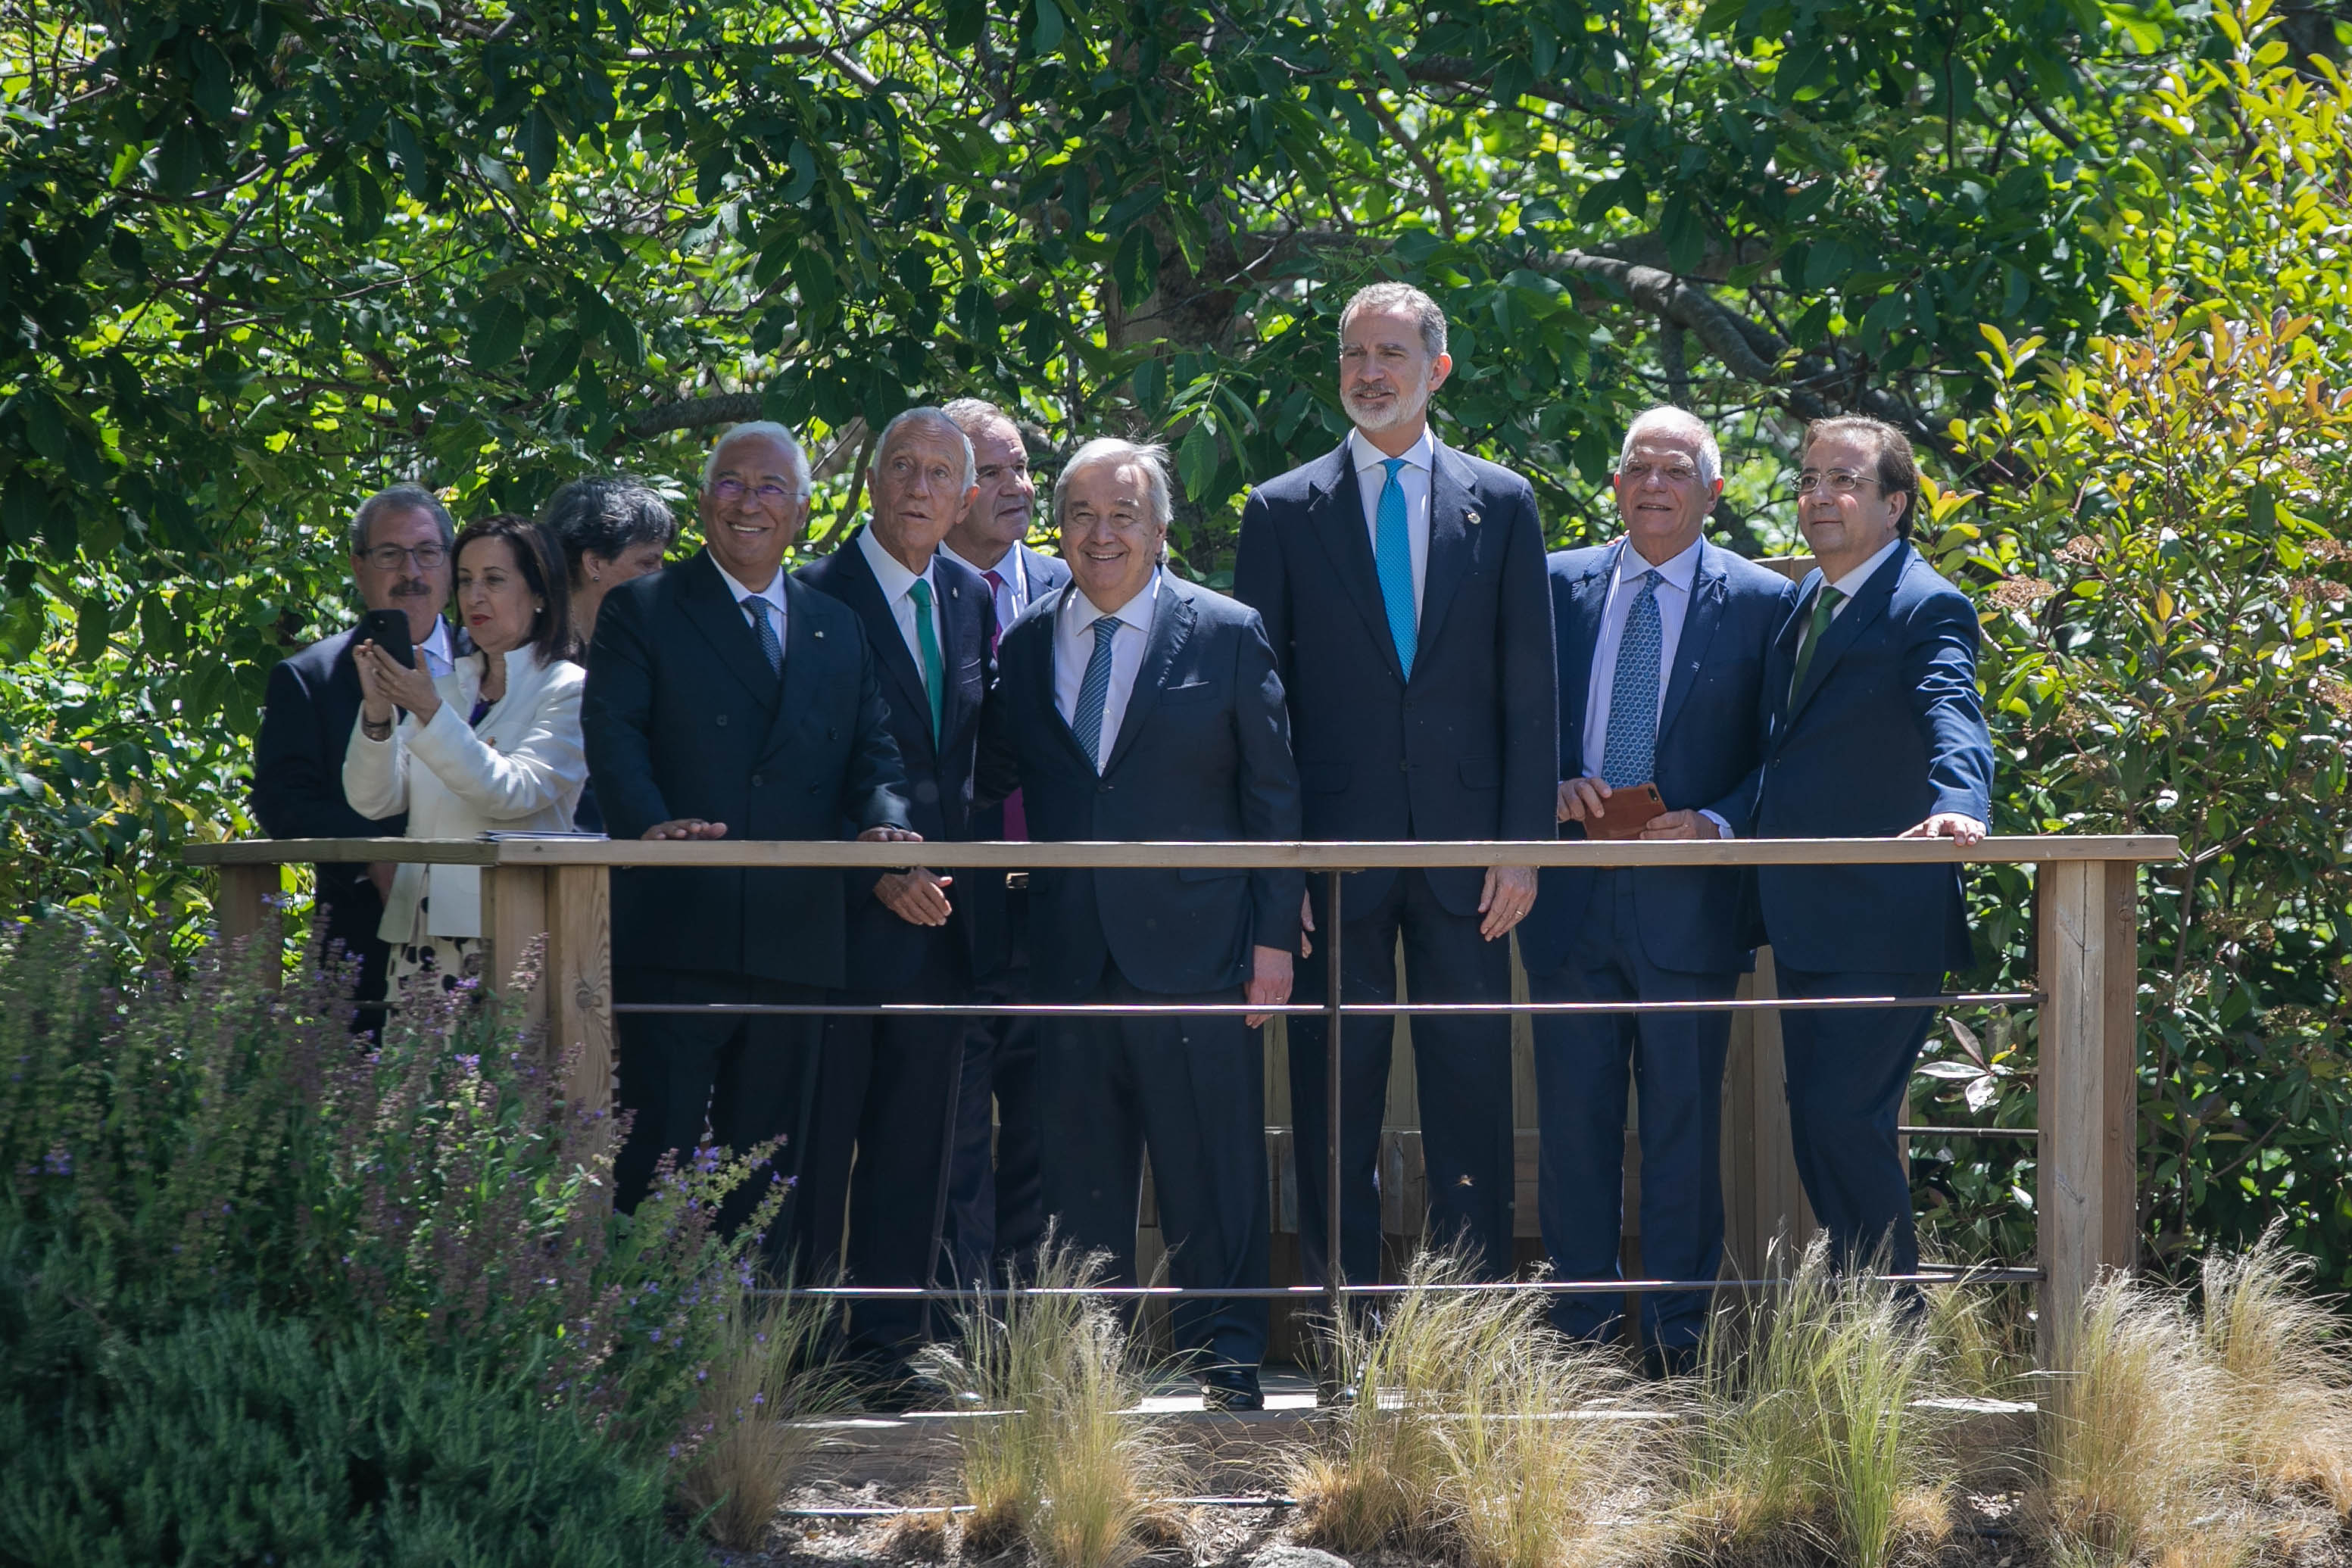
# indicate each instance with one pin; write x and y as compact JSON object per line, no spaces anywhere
{"x":298,"y":778}
{"x":1710,"y":746}
{"x":1203,"y":752}
{"x":1886,"y":731}
{"x":1468,"y":748}
{"x":684,"y":718}
{"x":1047,"y":573}
{"x":885,"y":952}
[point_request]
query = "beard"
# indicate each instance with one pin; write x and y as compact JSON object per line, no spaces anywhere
{"x":1407,"y":406}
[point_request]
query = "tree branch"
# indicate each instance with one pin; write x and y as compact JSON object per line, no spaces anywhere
{"x":694,"y":414}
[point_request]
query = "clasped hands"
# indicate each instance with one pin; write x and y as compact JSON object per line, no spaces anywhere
{"x":1581,"y":798}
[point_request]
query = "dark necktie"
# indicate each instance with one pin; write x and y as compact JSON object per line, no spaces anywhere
{"x":770,"y":643}
{"x":1016,"y":817}
{"x":1825,"y":605}
{"x":1630,"y":754}
{"x":1094,"y":691}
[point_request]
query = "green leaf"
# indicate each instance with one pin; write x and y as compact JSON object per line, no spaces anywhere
{"x":1196,"y":459}
{"x":497,"y":333}
{"x":1138,"y":266}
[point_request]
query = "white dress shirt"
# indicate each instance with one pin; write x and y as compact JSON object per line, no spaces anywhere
{"x":1850,"y":583}
{"x":438,"y":660}
{"x":898,"y":592}
{"x":1012,"y":590}
{"x":773,"y":593}
{"x":1677,"y":578}
{"x":1413,"y":477}
{"x":1073,"y":646}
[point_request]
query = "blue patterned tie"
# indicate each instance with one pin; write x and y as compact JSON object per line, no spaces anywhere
{"x":1094,"y":692}
{"x":1395,"y":560}
{"x":1632,"y":752}
{"x":769,"y":644}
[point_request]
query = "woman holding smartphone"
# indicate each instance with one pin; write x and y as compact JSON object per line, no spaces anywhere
{"x":494,"y":744}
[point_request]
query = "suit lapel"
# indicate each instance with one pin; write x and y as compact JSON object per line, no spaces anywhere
{"x":1700,"y":619}
{"x":1040,"y":680}
{"x":1866,"y":607}
{"x":1580,"y":639}
{"x":804,"y":675}
{"x":1452,"y":540}
{"x":1336,"y":509}
{"x":712,"y":608}
{"x":1171,"y":623}
{"x":865,"y":596}
{"x":963,"y":607}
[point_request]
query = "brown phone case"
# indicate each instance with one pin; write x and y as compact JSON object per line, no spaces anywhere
{"x":1626,"y":812}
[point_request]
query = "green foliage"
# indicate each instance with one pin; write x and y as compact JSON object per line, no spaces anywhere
{"x":2167,"y":631}
{"x":168,"y":1146}
{"x":236,"y":1440}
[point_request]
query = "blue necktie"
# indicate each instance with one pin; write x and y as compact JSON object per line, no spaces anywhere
{"x":1394,"y":550}
{"x":1632,"y":752}
{"x":1095,"y":691}
{"x":769,"y":643}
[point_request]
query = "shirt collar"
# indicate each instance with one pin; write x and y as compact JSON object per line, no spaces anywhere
{"x":1136,"y":613}
{"x":436,"y":642}
{"x":888,"y":569}
{"x":773,"y":593}
{"x":1852,"y":583}
{"x":1679,"y":571}
{"x":1008,"y":567}
{"x":1421,"y":454}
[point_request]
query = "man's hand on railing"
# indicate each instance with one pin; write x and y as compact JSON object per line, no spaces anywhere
{"x":890,"y":835}
{"x":686,"y":827}
{"x":1509,"y":893}
{"x":1269,"y":982}
{"x":1952,"y":825}
{"x":919,"y":897}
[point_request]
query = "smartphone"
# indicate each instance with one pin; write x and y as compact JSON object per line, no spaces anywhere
{"x":388,"y":629}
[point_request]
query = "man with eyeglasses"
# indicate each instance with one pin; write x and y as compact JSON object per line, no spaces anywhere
{"x":400,"y":540}
{"x":1662,"y":638}
{"x":727,"y":700}
{"x":1875,"y":730}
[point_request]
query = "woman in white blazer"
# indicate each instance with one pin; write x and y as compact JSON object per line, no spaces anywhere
{"x":494,"y":744}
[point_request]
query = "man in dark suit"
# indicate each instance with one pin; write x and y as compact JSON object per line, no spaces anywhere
{"x":1403,"y":587}
{"x":399,"y":560}
{"x":1876,"y":730}
{"x":1134,"y":705}
{"x":726,"y":700}
{"x":887,"y":1091}
{"x":995,"y":1212}
{"x":1662,"y":638}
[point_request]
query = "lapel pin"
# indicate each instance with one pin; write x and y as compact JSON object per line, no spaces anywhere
{"x":820,"y":633}
{"x":1471,"y":517}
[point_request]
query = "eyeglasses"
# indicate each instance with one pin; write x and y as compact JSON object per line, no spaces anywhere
{"x":733,"y":490}
{"x":1840,"y":481}
{"x":1636,"y":471}
{"x":388,"y":557}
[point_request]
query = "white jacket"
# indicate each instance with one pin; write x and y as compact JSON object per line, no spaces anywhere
{"x":523,"y":768}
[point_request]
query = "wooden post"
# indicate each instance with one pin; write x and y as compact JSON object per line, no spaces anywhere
{"x":579,"y":984}
{"x":2086,"y":1195}
{"x":247,"y":909}
{"x":514,"y":915}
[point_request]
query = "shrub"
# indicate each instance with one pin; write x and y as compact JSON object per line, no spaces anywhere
{"x":232,"y":1439}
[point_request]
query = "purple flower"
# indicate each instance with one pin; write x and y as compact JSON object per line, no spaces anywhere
{"x":57,"y":1162}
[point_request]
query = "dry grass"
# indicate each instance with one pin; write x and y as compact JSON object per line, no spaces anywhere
{"x":1478,"y":1436}
{"x":767,"y":1374}
{"x":917,"y":1536}
{"x":1065,"y":1467}
{"x":1809,"y":1438}
{"x":2285,"y":1378}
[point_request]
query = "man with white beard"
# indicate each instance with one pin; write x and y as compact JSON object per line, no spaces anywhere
{"x":1402,"y":584}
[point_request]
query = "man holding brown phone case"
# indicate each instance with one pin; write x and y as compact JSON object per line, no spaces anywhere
{"x":1662,"y":642}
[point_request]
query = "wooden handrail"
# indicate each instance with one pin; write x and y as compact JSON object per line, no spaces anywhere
{"x":548,"y":853}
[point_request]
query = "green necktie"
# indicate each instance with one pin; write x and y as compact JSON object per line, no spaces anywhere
{"x":1825,"y":605}
{"x":928,"y":640}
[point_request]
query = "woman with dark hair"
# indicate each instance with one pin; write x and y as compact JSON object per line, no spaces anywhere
{"x":494,"y":744}
{"x":611,"y":529}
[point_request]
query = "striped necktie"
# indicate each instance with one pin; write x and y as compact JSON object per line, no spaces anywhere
{"x":1094,"y":692}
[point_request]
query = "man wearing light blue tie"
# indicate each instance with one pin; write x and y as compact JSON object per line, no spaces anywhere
{"x":1663,"y":642}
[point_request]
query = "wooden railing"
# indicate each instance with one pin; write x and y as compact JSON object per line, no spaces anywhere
{"x":559,"y":889}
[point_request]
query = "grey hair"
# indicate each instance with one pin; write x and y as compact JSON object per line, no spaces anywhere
{"x":773,"y":432}
{"x":401,"y":498}
{"x":1404,"y":299}
{"x":1682,"y":422}
{"x":1150,"y":457}
{"x":973,"y":414}
{"x":925,"y":415}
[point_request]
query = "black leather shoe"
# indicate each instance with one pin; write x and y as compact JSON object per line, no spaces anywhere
{"x":1231,"y":1388}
